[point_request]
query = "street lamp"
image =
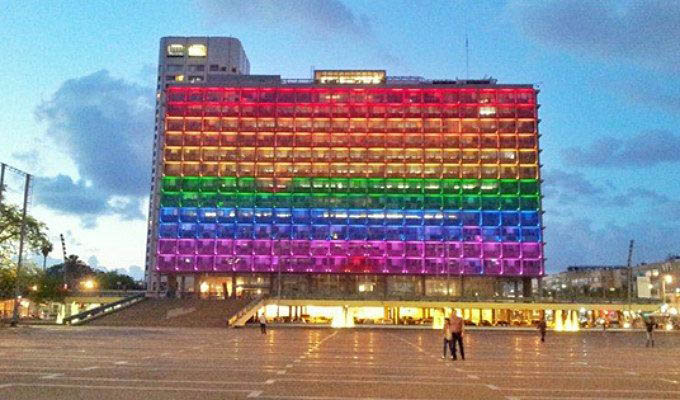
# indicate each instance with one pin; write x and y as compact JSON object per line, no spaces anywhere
{"x":667,"y":279}
{"x":88,"y":284}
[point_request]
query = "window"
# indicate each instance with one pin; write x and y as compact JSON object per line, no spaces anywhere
{"x":196,"y":68}
{"x":197,"y":50}
{"x":174,"y":67}
{"x":195,"y":78}
{"x":175,"y":50}
{"x":214,"y":67}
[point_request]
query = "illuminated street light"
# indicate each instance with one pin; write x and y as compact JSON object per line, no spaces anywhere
{"x":88,"y":284}
{"x":34,"y":288}
{"x":667,"y":279}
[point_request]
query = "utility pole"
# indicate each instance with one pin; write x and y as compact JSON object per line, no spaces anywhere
{"x":63,"y":246}
{"x":22,"y":234}
{"x":630,"y":272}
{"x":2,"y":180}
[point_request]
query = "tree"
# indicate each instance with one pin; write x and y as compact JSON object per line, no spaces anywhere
{"x":46,"y":288}
{"x":113,"y":280}
{"x":10,"y":229}
{"x":71,"y":271}
{"x":46,"y":249}
{"x":29,"y":276}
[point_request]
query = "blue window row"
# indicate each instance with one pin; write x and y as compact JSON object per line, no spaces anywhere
{"x":324,"y":216}
{"x":349,"y":232}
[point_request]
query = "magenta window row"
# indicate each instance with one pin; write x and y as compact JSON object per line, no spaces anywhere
{"x":348,"y":248}
{"x":367,"y":265}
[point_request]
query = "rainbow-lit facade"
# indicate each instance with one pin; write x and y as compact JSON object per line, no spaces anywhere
{"x":382,"y":179}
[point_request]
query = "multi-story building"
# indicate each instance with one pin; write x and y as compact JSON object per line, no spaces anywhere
{"x":193,"y":60}
{"x":588,"y":280}
{"x":353,"y":182}
{"x":659,"y":280}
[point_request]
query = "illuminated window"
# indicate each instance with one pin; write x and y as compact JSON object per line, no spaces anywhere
{"x":197,"y":50}
{"x":175,"y":50}
{"x":487,"y":111}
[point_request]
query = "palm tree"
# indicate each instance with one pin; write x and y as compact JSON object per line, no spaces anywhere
{"x":46,"y":249}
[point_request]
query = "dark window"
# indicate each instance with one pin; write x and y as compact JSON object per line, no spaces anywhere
{"x":214,"y":67}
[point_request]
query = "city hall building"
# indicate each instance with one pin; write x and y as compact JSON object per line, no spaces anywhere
{"x":349,"y":184}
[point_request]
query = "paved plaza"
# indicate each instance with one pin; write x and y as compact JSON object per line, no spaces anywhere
{"x":288,"y":363}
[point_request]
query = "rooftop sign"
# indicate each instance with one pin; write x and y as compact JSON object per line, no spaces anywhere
{"x":350,"y":77}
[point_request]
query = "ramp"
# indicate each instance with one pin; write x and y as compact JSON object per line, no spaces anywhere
{"x":239,"y":319}
{"x":192,"y":313}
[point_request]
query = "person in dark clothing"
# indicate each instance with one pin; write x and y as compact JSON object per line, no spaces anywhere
{"x":457,"y":329}
{"x":542,"y":327}
{"x":263,"y":324}
{"x":448,"y":342}
{"x":649,"y":326}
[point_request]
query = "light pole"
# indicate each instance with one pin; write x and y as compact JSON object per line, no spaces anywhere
{"x":22,"y":234}
{"x":667,"y":279}
{"x":279,"y":273}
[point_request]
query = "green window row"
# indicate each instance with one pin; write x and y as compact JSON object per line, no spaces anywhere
{"x":352,"y":185}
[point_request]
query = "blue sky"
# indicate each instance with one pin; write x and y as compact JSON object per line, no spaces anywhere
{"x":78,"y":102}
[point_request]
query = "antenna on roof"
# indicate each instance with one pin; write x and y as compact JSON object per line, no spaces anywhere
{"x":467,"y":56}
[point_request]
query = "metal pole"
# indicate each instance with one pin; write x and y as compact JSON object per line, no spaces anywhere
{"x":2,"y":180}
{"x":17,"y":287}
{"x":279,"y":277}
{"x":663,"y":286}
{"x":630,"y":273}
{"x":448,"y":281}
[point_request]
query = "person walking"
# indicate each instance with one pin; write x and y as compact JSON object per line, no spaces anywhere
{"x":263,"y":324}
{"x":448,"y":342}
{"x":542,"y":327}
{"x":649,"y":327}
{"x":457,"y":330}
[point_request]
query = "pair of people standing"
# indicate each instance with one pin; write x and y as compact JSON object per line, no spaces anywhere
{"x":453,"y":334}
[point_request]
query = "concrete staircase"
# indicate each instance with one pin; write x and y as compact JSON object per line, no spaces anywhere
{"x":194,"y":313}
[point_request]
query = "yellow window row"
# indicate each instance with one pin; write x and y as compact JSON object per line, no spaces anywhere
{"x":367,"y":170}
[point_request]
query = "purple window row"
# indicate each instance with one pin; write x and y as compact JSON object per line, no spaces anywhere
{"x":372,"y":265}
{"x":339,"y":248}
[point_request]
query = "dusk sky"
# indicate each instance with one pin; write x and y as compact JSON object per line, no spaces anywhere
{"x":79,"y":80}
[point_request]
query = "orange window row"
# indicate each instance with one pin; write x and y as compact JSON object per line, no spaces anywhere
{"x":378,"y":140}
{"x":347,"y":154}
{"x":397,"y":125}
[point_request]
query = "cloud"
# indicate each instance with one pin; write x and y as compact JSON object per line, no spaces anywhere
{"x":643,"y":150}
{"x":27,"y":157}
{"x":322,"y":17}
{"x":571,"y":183}
{"x":66,"y":196}
{"x":330,"y":22}
{"x":105,"y":126}
{"x":645,"y":32}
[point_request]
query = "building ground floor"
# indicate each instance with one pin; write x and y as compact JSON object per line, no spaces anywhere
{"x":559,"y":316}
{"x":341,"y":285}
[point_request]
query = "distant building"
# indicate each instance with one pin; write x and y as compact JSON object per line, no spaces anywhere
{"x":589,"y":280}
{"x":656,"y":279}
